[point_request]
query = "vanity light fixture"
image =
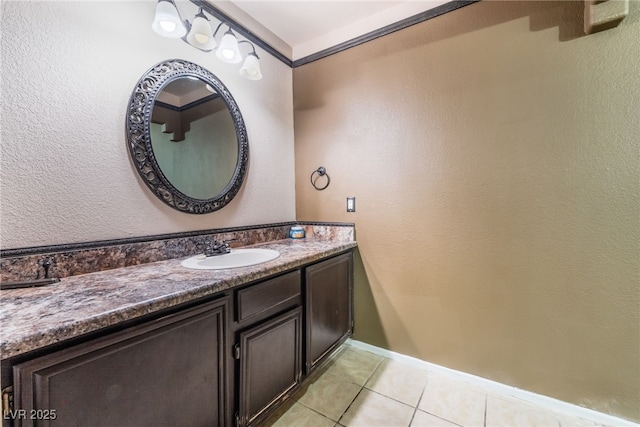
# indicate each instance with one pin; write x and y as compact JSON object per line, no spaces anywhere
{"x":251,"y":67}
{"x":229,"y":51}
{"x":200,"y":35}
{"x":169,"y":23}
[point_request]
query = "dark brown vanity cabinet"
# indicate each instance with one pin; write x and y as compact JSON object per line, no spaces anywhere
{"x":272,"y":341}
{"x":270,"y":364}
{"x":166,"y":372}
{"x":328,"y":306}
{"x":228,"y":361}
{"x":269,"y":344}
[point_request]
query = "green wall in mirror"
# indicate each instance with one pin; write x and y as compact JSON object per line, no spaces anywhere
{"x":194,"y":144}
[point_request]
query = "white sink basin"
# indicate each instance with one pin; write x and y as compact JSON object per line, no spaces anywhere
{"x":235,"y":258}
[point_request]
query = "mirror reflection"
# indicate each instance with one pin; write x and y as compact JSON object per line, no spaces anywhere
{"x":193,"y":137}
{"x":186,"y":137}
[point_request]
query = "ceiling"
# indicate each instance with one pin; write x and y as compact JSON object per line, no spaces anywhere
{"x":309,"y":26}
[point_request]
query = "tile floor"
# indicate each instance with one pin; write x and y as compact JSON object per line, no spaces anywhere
{"x":361,"y":389}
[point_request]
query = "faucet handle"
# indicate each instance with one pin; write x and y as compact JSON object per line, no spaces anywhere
{"x":217,"y":247}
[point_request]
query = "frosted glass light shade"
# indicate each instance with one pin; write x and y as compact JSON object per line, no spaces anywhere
{"x":200,"y":35}
{"x":228,"y":50}
{"x":167,"y":21}
{"x":251,"y":68}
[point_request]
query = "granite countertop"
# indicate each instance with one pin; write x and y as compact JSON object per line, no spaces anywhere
{"x":37,"y":317}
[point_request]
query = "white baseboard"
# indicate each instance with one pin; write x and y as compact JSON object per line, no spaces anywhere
{"x":499,"y":388}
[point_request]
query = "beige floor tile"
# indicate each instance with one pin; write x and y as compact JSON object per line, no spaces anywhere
{"x":329,"y":395}
{"x":512,"y":412}
{"x":422,"y":419}
{"x":371,"y":409}
{"x":398,"y":381}
{"x":567,"y":420}
{"x":393,"y":389}
{"x":300,"y":416}
{"x":456,"y":401}
{"x":355,"y":365}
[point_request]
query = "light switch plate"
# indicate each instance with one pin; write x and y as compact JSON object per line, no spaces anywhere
{"x":351,"y":204}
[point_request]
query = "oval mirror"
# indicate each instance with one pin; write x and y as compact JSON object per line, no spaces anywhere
{"x":186,"y":137}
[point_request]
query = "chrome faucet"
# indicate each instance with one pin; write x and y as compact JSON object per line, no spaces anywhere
{"x":216,"y":248}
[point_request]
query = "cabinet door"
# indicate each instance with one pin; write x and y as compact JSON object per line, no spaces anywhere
{"x":328,"y":306}
{"x":168,"y":372}
{"x":270,"y":364}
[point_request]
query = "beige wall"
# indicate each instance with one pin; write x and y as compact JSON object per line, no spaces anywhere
{"x":494,"y":155}
{"x":68,"y":70}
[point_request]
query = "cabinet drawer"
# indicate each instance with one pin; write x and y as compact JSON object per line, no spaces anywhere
{"x":269,"y":296}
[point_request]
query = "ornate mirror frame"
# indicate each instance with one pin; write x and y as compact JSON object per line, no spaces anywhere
{"x":138,"y":124}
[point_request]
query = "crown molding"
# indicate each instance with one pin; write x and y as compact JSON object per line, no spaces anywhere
{"x":388,"y":29}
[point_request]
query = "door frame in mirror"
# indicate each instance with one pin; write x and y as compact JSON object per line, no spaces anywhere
{"x":138,"y":130}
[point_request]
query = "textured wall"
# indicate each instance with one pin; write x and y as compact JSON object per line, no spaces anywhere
{"x":68,"y":69}
{"x":494,"y":155}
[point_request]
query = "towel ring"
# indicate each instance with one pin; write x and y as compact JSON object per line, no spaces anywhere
{"x":321,"y":171}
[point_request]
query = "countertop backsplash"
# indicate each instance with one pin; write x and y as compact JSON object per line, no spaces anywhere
{"x":74,"y":259}
{"x":34,"y":318}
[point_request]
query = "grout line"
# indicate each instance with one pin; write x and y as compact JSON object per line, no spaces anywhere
{"x":424,"y":390}
{"x":389,"y":397}
{"x":317,"y":412}
{"x":349,"y":406}
{"x":443,"y":419}
{"x":415,"y":408}
{"x":413,"y":415}
{"x":415,"y":411}
{"x":362,"y":387}
{"x":486,"y":404}
{"x":544,"y":402}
